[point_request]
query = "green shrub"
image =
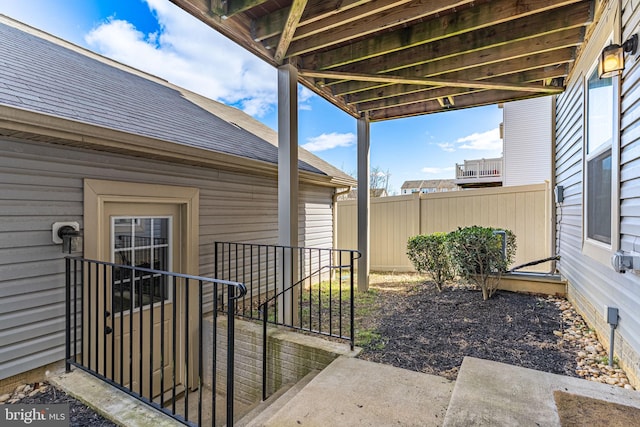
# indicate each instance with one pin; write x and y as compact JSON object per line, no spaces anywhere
{"x":428,"y":253}
{"x":476,"y":253}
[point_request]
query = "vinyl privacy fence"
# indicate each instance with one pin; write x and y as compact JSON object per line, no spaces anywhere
{"x":525,"y":210}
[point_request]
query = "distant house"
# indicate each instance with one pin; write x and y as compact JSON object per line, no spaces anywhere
{"x":428,"y":186}
{"x":527,"y":132}
{"x":478,"y":173}
{"x":116,"y":152}
{"x":353,"y":194}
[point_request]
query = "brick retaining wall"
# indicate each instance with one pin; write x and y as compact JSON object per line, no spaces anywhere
{"x":291,"y":356}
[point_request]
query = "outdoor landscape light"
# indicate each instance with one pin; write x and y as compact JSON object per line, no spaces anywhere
{"x":612,"y":57}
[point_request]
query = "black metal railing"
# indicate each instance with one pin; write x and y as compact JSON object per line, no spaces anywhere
{"x":305,"y":289}
{"x":142,"y":331}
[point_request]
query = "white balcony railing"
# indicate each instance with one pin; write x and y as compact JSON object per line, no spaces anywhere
{"x":482,"y":168}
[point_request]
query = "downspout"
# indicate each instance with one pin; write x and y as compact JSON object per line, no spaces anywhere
{"x":334,"y":200}
{"x":552,"y":185}
{"x":340,"y":193}
{"x":334,"y":212}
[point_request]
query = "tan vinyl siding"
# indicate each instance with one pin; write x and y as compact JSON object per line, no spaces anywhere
{"x":316,"y":217}
{"x":594,"y":284}
{"x":41,"y":184}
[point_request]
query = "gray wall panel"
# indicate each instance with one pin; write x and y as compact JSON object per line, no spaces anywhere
{"x":41,"y":184}
{"x":593,"y":283}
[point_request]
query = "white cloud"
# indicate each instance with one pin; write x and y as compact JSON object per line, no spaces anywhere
{"x":489,"y":140}
{"x":435,"y":171}
{"x":190,"y":54}
{"x":327,"y":141}
{"x":447,"y":146}
{"x":304,"y":95}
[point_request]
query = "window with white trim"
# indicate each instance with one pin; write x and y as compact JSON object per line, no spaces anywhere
{"x":599,"y":137}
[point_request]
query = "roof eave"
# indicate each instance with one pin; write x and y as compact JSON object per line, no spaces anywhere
{"x":79,"y":134}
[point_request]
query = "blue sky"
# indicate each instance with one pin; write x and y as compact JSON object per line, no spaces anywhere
{"x":158,"y":37}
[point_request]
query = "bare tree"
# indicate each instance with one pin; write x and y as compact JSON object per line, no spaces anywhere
{"x":379,"y":182}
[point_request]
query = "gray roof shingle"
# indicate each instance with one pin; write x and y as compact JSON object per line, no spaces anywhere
{"x":45,"y":77}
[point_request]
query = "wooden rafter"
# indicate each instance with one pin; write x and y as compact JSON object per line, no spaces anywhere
{"x":398,"y":58}
{"x":228,"y":8}
{"x":409,"y":94}
{"x":464,"y":101}
{"x":324,"y":18}
{"x":386,"y":78}
{"x":443,"y":28}
{"x":496,"y":55}
{"x":508,"y":33}
{"x":271,"y":25}
{"x":555,"y":64}
{"x":295,"y":12}
{"x":366,"y":19}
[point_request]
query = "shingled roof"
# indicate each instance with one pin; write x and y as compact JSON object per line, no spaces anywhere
{"x":42,"y":74}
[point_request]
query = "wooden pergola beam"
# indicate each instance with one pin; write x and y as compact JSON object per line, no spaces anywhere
{"x":474,"y":99}
{"x":366,"y":19}
{"x":413,"y":93}
{"x":530,"y":27}
{"x":481,"y":16}
{"x":512,"y":70}
{"x":295,"y":12}
{"x":495,"y":55}
{"x":394,"y":54}
{"x":228,"y":8}
{"x":425,"y":81}
{"x":272,"y":24}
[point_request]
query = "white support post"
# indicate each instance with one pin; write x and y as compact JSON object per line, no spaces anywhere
{"x":288,"y":185}
{"x":364,"y":262}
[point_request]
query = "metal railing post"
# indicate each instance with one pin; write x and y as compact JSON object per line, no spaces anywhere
{"x":352,"y":305}
{"x":67,"y":364}
{"x":230,"y":356}
{"x":264,"y":309}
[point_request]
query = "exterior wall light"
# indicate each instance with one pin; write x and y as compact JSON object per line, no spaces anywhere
{"x":612,"y":57}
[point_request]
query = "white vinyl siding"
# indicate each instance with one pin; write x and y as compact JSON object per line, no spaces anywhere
{"x":528,"y":141}
{"x":41,"y":184}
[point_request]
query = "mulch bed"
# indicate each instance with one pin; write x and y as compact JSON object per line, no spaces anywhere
{"x":79,"y":414}
{"x":418,"y":328}
{"x":427,"y":331}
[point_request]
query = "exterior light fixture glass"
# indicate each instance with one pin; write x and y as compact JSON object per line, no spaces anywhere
{"x":612,"y":57}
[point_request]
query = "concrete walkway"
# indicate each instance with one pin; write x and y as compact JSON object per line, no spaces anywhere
{"x":354,"y":392}
{"x":495,"y":394}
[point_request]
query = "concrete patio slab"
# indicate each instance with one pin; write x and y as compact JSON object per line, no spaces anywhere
{"x":489,"y":393}
{"x":354,"y":392}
